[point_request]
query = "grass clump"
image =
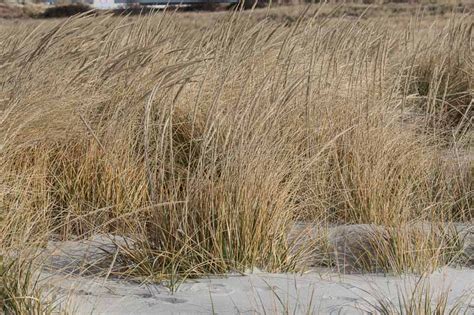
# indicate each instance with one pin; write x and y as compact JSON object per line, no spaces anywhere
{"x":416,"y":249}
{"x":443,"y":79}
{"x":419,"y":247}
{"x":19,"y":291}
{"x":206,"y":144}
{"x":420,"y":298}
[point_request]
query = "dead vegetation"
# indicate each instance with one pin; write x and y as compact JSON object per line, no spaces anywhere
{"x":206,"y":144}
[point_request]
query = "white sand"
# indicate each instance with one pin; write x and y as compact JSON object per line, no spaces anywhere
{"x":73,"y":278}
{"x":255,"y":293}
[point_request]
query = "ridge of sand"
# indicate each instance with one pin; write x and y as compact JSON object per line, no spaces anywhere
{"x":313,"y":292}
{"x":77,"y":268}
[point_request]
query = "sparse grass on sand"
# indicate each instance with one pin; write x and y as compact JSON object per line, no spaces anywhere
{"x":204,"y":140}
{"x":419,"y":298}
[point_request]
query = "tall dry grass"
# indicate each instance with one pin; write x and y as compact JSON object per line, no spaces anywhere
{"x":205,"y":140}
{"x":20,"y":291}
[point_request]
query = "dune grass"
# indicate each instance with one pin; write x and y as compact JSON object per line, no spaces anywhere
{"x":20,"y":291}
{"x":205,"y":140}
{"x":419,"y":298}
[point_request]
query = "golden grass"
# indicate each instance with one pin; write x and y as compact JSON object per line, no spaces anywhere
{"x":19,"y":289}
{"x":205,"y":140}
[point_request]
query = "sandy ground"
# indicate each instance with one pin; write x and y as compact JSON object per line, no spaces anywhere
{"x":73,"y":277}
{"x":260,"y":293}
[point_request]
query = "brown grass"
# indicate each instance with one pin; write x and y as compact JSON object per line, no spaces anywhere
{"x":205,"y":140}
